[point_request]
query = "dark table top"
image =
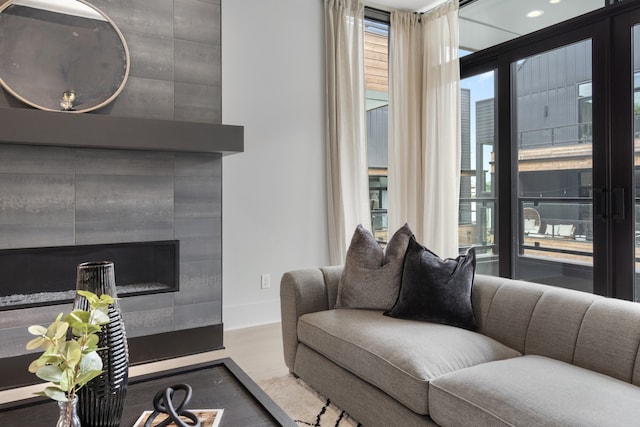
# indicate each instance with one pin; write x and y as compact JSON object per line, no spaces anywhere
{"x":216,"y":385}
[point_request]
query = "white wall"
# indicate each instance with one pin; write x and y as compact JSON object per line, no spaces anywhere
{"x":274,"y":215}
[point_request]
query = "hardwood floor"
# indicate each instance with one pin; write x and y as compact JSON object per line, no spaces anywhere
{"x":257,"y":350}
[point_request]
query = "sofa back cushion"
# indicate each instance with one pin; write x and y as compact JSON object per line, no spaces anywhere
{"x":555,"y":323}
{"x":609,"y":339}
{"x":590,"y":331}
{"x":530,"y":317}
{"x":503,"y":308}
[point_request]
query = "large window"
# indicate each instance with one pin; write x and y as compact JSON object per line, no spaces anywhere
{"x":565,"y":168}
{"x":477,"y":214}
{"x":552,"y":124}
{"x":636,"y":155}
{"x":550,"y":167}
{"x":376,"y":70}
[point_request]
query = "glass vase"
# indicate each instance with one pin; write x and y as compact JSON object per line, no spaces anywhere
{"x":101,"y":400}
{"x":68,"y":413}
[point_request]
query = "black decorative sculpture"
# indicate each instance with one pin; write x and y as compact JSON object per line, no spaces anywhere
{"x":163,"y":404}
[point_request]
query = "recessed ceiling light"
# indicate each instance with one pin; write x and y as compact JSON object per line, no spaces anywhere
{"x":535,"y":13}
{"x":554,"y":1}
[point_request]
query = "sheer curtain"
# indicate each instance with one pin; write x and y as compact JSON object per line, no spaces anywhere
{"x":347,"y":178}
{"x":424,"y":126}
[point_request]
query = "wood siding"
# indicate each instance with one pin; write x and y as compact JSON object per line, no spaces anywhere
{"x":376,"y":62}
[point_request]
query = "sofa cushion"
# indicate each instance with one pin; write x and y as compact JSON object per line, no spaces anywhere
{"x":555,"y":322}
{"x":398,"y":356}
{"x":504,"y":307}
{"x":609,"y":338}
{"x":434,"y":289}
{"x":371,"y":276}
{"x":532,"y":391}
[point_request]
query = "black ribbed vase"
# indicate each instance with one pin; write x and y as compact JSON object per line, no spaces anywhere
{"x":101,"y":401}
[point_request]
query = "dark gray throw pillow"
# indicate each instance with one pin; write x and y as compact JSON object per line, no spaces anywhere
{"x":436,"y":290}
{"x":371,"y":275}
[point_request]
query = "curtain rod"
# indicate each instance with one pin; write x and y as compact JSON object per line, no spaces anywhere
{"x":384,"y":15}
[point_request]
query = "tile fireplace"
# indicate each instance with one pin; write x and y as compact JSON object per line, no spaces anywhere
{"x":146,"y":168}
{"x":88,"y":192}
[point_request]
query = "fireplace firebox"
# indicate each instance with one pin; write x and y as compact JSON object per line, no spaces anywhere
{"x":46,"y":276}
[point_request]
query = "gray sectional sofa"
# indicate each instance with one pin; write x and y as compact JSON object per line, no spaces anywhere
{"x":541,"y":356}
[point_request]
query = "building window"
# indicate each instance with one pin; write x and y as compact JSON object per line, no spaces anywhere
{"x":585,"y":113}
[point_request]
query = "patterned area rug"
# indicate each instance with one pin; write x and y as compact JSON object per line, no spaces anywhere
{"x":305,"y":405}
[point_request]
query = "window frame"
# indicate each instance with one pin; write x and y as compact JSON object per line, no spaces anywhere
{"x":608,"y":28}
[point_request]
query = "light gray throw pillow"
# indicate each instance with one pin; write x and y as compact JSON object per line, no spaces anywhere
{"x":371,"y":275}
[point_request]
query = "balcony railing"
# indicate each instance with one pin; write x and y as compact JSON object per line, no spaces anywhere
{"x":581,"y":133}
{"x":379,"y":225}
{"x":476,"y":225}
{"x":556,"y":227}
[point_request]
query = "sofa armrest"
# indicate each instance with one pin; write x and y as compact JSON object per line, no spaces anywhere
{"x":301,"y":292}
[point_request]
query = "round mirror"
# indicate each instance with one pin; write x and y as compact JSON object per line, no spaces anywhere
{"x":61,"y":55}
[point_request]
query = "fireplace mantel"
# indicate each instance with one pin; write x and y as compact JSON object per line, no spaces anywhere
{"x":35,"y":127}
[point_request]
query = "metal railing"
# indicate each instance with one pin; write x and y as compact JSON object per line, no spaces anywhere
{"x":476,"y":226}
{"x":581,"y":133}
{"x":554,"y":212}
{"x":379,"y":225}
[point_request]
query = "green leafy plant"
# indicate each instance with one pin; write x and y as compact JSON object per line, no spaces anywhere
{"x":70,"y":358}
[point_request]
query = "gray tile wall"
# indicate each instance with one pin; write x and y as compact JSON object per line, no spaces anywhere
{"x":61,"y":196}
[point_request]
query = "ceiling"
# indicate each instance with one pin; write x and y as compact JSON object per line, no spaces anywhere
{"x":409,"y":5}
{"x":485,"y":23}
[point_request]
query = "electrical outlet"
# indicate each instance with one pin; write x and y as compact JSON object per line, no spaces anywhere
{"x":265,"y":281}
